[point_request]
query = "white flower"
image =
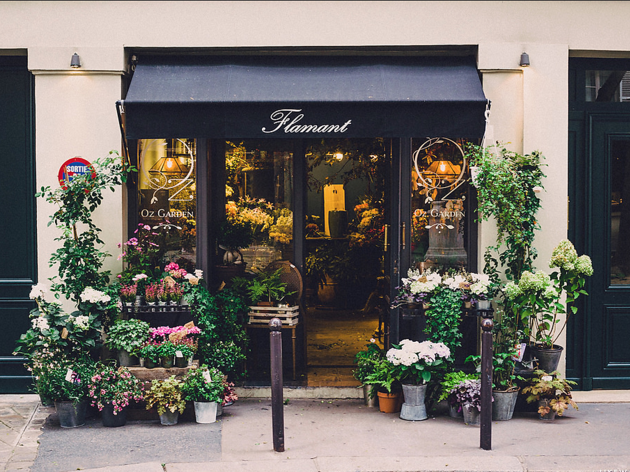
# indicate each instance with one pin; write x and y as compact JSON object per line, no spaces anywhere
{"x":94,"y":296}
{"x":480,"y":278}
{"x":139,"y":277}
{"x":38,"y":291}
{"x":546,"y":378}
{"x":479,"y":288}
{"x":199,"y":273}
{"x":40,"y":323}
{"x":82,"y":322}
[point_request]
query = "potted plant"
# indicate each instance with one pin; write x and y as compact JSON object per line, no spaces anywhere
{"x":151,"y":354}
{"x":127,"y":337}
{"x":448,"y":384}
{"x":167,"y":352}
{"x":183,"y":355}
{"x":366,"y":361}
{"x":233,"y":235}
{"x":416,"y":289}
{"x":128,"y":294}
{"x":111,"y":390}
{"x":151,"y":294}
{"x":204,"y":387}
{"x":167,"y":397}
{"x":388,"y":388}
{"x":267,"y":288}
{"x":468,"y":395}
{"x":414,"y":363}
{"x":162,"y":295}
{"x":538,"y":298}
{"x":66,"y":383}
{"x":552,"y":393}
{"x":175,"y":294}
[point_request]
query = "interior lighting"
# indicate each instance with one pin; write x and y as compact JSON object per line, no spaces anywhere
{"x":338,"y":156}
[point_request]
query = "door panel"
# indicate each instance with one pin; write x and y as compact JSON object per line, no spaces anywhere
{"x":607,"y":324}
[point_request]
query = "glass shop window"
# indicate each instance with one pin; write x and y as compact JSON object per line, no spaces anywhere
{"x":439,"y":188}
{"x":259,"y":192}
{"x":607,"y":86}
{"x":167,"y":197}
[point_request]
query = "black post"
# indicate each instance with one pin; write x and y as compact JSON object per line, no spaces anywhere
{"x":486,"y":378}
{"x":277,"y":413}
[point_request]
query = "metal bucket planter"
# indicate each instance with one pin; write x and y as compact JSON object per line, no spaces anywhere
{"x":71,"y":414}
{"x":111,"y":420}
{"x":471,"y":415}
{"x":168,"y":418}
{"x":167,"y":362}
{"x":149,"y":364}
{"x":548,"y":416}
{"x":205,"y":412}
{"x":125,"y":359}
{"x":181,"y":362}
{"x":414,"y":409}
{"x":503,"y":405}
{"x":455,"y":411}
{"x":369,"y":397}
{"x":548,"y":359}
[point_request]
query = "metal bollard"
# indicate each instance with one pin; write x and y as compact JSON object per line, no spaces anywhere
{"x":486,"y":379}
{"x":277,"y":412}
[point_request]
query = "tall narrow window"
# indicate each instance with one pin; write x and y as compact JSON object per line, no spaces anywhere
{"x":167,"y":196}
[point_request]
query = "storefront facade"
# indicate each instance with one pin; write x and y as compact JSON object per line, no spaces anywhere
{"x":376,"y":67}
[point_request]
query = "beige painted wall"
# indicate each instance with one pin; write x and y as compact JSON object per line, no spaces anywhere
{"x":75,"y":116}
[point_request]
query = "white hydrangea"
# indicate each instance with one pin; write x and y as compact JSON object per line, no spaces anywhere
{"x":483,"y":278}
{"x":94,"y":296}
{"x":479,"y":288}
{"x":82,"y":322}
{"x":38,"y":291}
{"x":40,"y":323}
{"x":199,"y":273}
{"x":414,"y":351}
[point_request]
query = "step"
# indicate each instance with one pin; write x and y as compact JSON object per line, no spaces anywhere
{"x":322,"y":393}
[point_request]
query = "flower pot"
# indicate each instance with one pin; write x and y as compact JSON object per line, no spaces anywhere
{"x":484,"y":304}
{"x":149,"y":364}
{"x":111,"y":420}
{"x":265,"y":303}
{"x":168,"y":418}
{"x":413,"y":409}
{"x":471,"y":415}
{"x":190,"y":361}
{"x":125,"y":359}
{"x":181,"y":362}
{"x":219,"y":409}
{"x":71,"y":414}
{"x":548,"y":359}
{"x":455,"y":411}
{"x":503,"y":405}
{"x":167,"y":362}
{"x":369,"y":397}
{"x":389,"y":402}
{"x":547,"y":416}
{"x":205,"y":412}
{"x":141,"y":360}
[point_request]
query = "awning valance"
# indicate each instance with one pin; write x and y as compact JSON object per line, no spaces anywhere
{"x":291,"y":97}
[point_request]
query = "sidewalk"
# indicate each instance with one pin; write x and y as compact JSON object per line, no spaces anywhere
{"x":322,"y":435}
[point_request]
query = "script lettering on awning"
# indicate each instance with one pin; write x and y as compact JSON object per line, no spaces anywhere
{"x":288,"y":119}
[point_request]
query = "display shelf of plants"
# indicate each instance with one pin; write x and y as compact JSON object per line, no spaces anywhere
{"x":101,"y":352}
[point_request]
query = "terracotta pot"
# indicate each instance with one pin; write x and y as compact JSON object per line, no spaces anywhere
{"x":389,"y":402}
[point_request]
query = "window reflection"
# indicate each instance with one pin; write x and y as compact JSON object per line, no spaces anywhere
{"x":620,"y":212}
{"x":167,"y":195}
{"x":607,"y":86}
{"x":438,"y":195}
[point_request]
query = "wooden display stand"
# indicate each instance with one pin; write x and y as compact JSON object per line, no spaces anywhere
{"x":259,"y":317}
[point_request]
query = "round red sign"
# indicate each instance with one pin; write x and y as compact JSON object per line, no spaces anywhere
{"x":72,"y":167}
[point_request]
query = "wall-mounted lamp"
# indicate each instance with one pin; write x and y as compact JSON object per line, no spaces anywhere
{"x":75,"y":62}
{"x":338,"y":156}
{"x":524,"y":60}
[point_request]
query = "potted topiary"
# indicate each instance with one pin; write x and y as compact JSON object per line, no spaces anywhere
{"x":167,"y":397}
{"x":111,"y":391}
{"x":204,"y":387}
{"x":552,"y":393}
{"x":127,"y":337}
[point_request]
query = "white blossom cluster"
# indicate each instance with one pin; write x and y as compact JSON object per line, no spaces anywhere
{"x":412,"y":352}
{"x":94,"y":296}
{"x":82,"y":322}
{"x":40,"y":323}
{"x":422,"y":283}
{"x":38,"y":291}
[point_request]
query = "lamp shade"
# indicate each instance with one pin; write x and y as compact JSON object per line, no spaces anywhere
{"x":524,"y":60}
{"x":75,"y":62}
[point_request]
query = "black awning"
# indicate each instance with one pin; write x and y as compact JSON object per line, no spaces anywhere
{"x":289,"y":97}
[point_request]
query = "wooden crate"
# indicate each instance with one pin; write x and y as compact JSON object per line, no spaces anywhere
{"x":262,"y":314}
